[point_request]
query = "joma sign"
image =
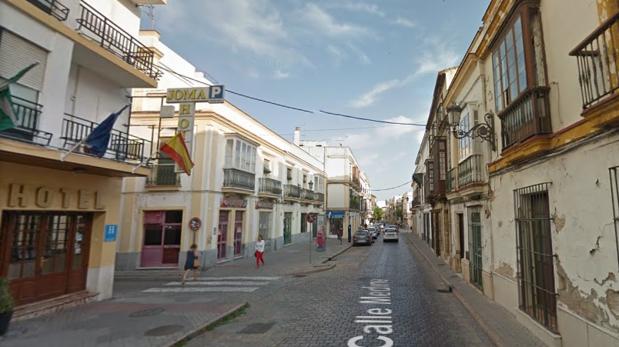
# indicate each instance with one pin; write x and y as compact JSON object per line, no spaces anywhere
{"x":212,"y":94}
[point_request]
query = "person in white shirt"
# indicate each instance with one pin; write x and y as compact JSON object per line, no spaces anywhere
{"x":259,"y":251}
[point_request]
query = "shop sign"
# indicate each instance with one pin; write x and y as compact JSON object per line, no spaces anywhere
{"x":335,"y":214}
{"x":109,"y":232}
{"x":212,"y":94}
{"x":24,"y":195}
{"x":195,"y":223}
{"x":233,"y":203}
{"x":264,"y":204}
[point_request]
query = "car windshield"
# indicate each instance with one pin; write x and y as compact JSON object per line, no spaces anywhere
{"x":362,"y":232}
{"x":371,"y":229}
{"x":393,"y":230}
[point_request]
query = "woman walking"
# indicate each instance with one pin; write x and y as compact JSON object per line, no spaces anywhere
{"x":192,"y":263}
{"x":259,"y":251}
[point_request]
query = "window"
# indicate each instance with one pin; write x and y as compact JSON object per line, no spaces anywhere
{"x":16,"y":54}
{"x":508,"y":64}
{"x":240,"y":155}
{"x":467,"y":144}
{"x":266,"y":167}
{"x":442,"y":160}
{"x":534,"y":251}
{"x":289,"y":174}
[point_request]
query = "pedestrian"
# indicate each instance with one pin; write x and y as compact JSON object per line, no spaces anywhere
{"x":340,"y":233}
{"x":259,"y":251}
{"x":192,"y":263}
{"x":349,"y":232}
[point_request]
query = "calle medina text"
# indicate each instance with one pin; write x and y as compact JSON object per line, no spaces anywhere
{"x":377,"y":319}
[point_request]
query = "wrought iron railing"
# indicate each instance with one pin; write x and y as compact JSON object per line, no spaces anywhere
{"x":319,"y":197}
{"x":235,"y":178}
{"x":26,"y":129}
{"x":307,"y":195}
{"x":52,"y":7}
{"x":526,"y":116}
{"x":270,"y":186}
{"x":122,"y":146}
{"x":116,"y":40}
{"x":163,"y":174}
{"x":598,"y":62}
{"x":451,"y":181}
{"x":292,"y":191}
{"x":470,"y":171}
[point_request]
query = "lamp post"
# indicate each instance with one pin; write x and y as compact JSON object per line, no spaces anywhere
{"x":483,"y":130}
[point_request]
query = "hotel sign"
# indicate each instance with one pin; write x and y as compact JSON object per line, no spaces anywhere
{"x":212,"y":94}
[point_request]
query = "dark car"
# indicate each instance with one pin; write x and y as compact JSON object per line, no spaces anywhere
{"x":362,"y":237}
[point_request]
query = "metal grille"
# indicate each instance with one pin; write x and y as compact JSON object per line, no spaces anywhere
{"x":614,"y":194}
{"x":475,"y":266}
{"x":536,"y":285}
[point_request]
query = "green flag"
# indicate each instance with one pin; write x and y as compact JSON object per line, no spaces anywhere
{"x":8,"y":119}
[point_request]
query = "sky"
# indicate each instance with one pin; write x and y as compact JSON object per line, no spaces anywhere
{"x":375,"y":59}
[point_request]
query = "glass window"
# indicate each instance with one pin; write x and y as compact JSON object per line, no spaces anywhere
{"x":509,"y":67}
{"x":237,"y":159}
{"x":229,"y":152}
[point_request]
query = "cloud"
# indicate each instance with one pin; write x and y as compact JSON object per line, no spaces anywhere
{"x":363,"y":58}
{"x":360,"y":7}
{"x":337,"y":54}
{"x":323,"y":23}
{"x":280,"y":75}
{"x":382,"y":135}
{"x":435,"y":58}
{"x":368,"y":98}
{"x":403,"y":22}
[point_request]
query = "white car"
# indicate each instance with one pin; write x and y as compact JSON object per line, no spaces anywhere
{"x":391,"y":234}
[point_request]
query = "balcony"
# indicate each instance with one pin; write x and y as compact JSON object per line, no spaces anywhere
{"x":292,"y":192}
{"x":163,"y":174}
{"x":52,"y":7}
{"x":451,"y":181}
{"x":270,"y":187}
{"x":307,"y":195}
{"x":355,"y":202}
{"x":598,"y":63}
{"x":238,"y":179}
{"x":319,"y":198}
{"x":98,"y":28}
{"x":26,"y":129}
{"x":527,"y":116}
{"x":470,"y":171}
{"x":122,"y":147}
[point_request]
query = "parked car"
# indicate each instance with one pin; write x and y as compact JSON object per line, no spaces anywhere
{"x":373,"y":232}
{"x":391,"y":234}
{"x":362,"y":237}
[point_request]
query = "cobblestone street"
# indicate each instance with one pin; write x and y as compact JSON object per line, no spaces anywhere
{"x":320,"y":309}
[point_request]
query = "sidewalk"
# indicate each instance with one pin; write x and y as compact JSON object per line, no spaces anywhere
{"x":500,"y":325}
{"x":136,"y":319}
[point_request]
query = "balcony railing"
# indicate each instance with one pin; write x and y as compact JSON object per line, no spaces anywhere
{"x":451,"y":181}
{"x":122,"y":145}
{"x":292,"y":191}
{"x":470,"y":171}
{"x":26,"y":129}
{"x":52,"y":7}
{"x":163,"y":174}
{"x":235,"y":178}
{"x":307,"y":195}
{"x":526,"y":116}
{"x":270,"y":186}
{"x":598,"y":62}
{"x":116,"y":40}
{"x":319,"y":197}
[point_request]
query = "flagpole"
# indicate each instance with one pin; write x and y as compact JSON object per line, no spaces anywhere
{"x":65,"y":155}
{"x":140,"y":164}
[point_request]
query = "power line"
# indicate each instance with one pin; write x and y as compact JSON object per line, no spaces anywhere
{"x":292,"y":107}
{"x":383,"y":189}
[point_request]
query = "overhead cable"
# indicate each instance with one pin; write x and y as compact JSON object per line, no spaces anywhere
{"x":401,"y":185}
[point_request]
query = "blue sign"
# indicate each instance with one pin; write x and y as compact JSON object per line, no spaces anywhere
{"x":336,"y":214}
{"x":216,"y":94}
{"x":110,"y":231}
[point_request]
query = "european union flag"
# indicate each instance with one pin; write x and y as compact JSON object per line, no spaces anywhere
{"x":98,"y":140}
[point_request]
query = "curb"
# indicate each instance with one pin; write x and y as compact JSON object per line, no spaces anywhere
{"x":320,"y":269}
{"x":496,"y":340}
{"x":336,"y":254}
{"x":198,"y":331}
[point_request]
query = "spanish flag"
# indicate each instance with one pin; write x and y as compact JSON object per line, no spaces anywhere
{"x":177,"y":150}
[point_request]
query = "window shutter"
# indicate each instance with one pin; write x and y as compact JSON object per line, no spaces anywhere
{"x":16,"y":54}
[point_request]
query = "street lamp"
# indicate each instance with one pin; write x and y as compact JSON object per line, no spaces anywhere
{"x":484,"y":130}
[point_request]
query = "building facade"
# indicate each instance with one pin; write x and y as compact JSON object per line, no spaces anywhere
{"x":60,"y":206}
{"x":247,"y":180}
{"x":532,"y":187}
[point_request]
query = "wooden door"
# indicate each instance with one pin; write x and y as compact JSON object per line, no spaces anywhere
{"x":222,"y":234}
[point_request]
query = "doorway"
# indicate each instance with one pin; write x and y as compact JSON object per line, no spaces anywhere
{"x":162,"y":238}
{"x":238,"y":233}
{"x":287,"y":227}
{"x":222,"y":234}
{"x":44,"y":254}
{"x":461,"y":234}
{"x":475,"y":267}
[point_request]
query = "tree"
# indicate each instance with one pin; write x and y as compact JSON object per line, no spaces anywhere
{"x":399,"y":213}
{"x":377,"y":213}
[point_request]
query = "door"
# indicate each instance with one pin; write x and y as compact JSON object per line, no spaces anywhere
{"x":222,"y":234}
{"x":162,"y":238}
{"x":44,"y":254}
{"x":436,"y":233}
{"x":287,"y":227}
{"x":461,"y":234}
{"x":475,"y":267}
{"x":238,"y":233}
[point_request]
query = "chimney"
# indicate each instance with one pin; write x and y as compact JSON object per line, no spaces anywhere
{"x":297,"y":136}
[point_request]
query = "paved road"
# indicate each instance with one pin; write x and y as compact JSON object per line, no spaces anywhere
{"x":320,"y":309}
